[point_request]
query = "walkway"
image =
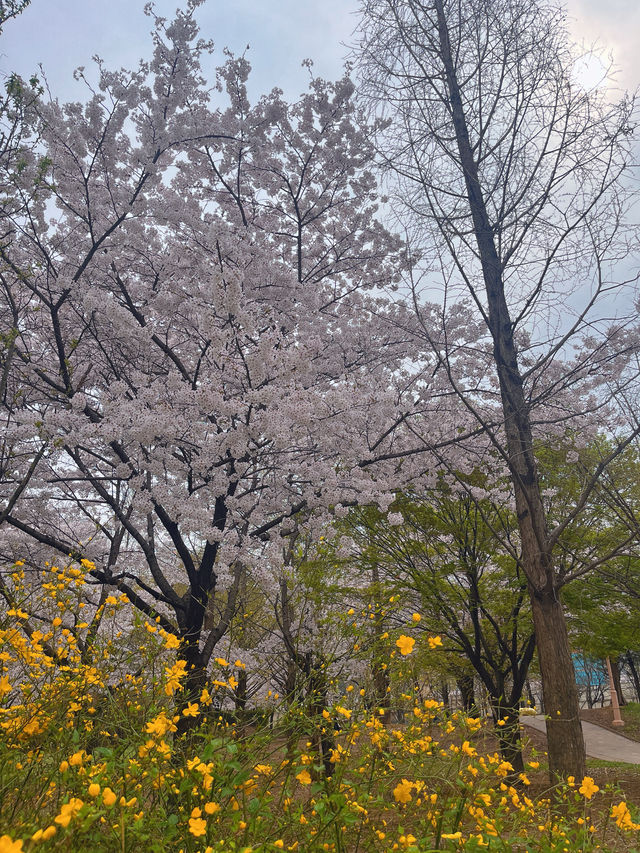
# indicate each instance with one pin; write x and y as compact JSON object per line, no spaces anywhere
{"x":599,"y":743}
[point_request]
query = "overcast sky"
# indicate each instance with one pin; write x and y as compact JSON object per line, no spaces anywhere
{"x":63,"y":34}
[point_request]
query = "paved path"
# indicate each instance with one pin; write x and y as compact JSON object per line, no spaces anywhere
{"x":599,"y":743}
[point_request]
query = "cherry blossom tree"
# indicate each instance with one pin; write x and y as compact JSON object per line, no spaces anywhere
{"x":11,"y":9}
{"x":191,"y":348}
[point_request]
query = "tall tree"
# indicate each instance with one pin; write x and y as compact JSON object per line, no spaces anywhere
{"x":509,"y":175}
{"x":180,"y":306}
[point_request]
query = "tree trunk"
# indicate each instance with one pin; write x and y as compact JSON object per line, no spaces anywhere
{"x":615,"y":672}
{"x":508,"y":736}
{"x":530,"y":696}
{"x":565,"y":743}
{"x":564,"y":731}
{"x":317,"y":703}
{"x":634,"y":673}
{"x":240,"y":693}
{"x":382,"y":695}
{"x":290,"y":682}
{"x":194,"y":683}
{"x":381,"y":691}
{"x":467,"y":692}
{"x":589,"y":694}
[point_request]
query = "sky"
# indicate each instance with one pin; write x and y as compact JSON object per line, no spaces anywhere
{"x":65,"y":34}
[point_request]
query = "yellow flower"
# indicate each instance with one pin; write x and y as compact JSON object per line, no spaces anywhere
{"x":303,"y":777}
{"x":263,"y":769}
{"x":402,"y":791}
{"x":452,"y":836}
{"x":279,"y":844}
{"x":211,"y":808}
{"x":175,"y":674}
{"x":434,"y":643}
{"x":344,"y":711}
{"x":8,"y":845}
{"x":44,"y":834}
{"x":197,"y":826}
{"x":191,"y":710}
{"x":588,"y":787}
{"x":94,"y":789}
{"x":76,"y":759}
{"x":222,"y":662}
{"x":160,"y":725}
{"x":108,"y":797}
{"x":68,"y":811}
{"x":504,"y":768}
{"x":172,"y":642}
{"x":336,"y":754}
{"x":622,"y":816}
{"x":405,"y":644}
{"x":416,"y":617}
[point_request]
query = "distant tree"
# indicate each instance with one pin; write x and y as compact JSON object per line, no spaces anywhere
{"x":444,"y":555}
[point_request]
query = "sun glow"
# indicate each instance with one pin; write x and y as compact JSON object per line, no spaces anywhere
{"x":591,"y":71}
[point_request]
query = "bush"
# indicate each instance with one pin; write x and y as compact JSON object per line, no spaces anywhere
{"x":90,"y":759}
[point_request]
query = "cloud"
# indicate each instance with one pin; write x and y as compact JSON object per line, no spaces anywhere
{"x":612,"y":27}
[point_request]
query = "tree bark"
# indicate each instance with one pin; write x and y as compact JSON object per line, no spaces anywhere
{"x":508,"y":735}
{"x":381,"y":682}
{"x":467,"y":692}
{"x":615,"y":672}
{"x":565,"y":743}
{"x":634,"y":673}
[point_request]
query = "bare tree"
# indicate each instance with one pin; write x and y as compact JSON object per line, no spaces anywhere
{"x":512,"y":170}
